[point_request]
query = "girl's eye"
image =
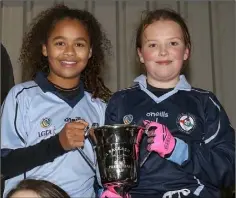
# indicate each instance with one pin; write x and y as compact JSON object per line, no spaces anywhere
{"x":60,"y":43}
{"x":80,"y":45}
{"x":152,"y":45}
{"x":174,"y":43}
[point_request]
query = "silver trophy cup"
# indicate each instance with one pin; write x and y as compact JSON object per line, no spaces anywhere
{"x":116,"y":155}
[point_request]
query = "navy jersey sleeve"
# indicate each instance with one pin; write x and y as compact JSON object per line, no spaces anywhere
{"x":213,"y":161}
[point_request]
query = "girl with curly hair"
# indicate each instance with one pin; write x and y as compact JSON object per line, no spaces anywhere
{"x":44,"y":119}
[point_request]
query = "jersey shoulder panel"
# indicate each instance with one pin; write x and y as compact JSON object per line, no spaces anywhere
{"x":22,"y":94}
{"x":202,"y":93}
{"x":126,"y":92}
{"x":25,"y":89}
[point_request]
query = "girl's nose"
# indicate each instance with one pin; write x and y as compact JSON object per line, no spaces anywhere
{"x":163,"y":51}
{"x":69,"y":51}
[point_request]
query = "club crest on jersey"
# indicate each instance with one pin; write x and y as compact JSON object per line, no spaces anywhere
{"x":46,"y":122}
{"x":186,"y":123}
{"x":127,"y":119}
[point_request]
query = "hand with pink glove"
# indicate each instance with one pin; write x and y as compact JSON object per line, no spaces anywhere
{"x":159,"y":138}
{"x":110,"y":192}
{"x":162,"y":141}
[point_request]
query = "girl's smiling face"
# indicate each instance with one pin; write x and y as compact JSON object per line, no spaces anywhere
{"x":68,"y":51}
{"x":163,"y":52}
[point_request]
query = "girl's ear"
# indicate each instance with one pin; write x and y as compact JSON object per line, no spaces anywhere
{"x":44,"y":50}
{"x":140,"y":55}
{"x":186,"y":53}
{"x":90,"y":52}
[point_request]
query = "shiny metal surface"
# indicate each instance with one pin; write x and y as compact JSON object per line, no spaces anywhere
{"x":115,"y":149}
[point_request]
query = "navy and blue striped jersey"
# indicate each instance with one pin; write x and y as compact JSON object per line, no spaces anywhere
{"x":203,"y":160}
{"x":34,"y":111}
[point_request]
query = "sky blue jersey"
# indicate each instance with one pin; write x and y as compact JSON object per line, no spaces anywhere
{"x":34,"y":111}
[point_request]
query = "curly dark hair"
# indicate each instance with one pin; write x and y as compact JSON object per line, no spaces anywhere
{"x":43,"y":188}
{"x":33,"y":61}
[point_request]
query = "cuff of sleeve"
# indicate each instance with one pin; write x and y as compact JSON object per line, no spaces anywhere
{"x":100,"y":191}
{"x":56,"y":147}
{"x":180,"y":153}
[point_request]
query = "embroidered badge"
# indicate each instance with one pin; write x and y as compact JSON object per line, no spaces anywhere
{"x":46,"y":122}
{"x":127,"y":119}
{"x":186,"y":123}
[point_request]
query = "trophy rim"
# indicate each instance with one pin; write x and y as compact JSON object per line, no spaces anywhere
{"x":116,"y":126}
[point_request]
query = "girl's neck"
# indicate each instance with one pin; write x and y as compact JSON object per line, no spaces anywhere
{"x":163,"y":84}
{"x":64,"y":83}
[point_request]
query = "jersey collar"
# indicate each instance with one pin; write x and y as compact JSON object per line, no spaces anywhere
{"x":181,"y":85}
{"x":46,"y":86}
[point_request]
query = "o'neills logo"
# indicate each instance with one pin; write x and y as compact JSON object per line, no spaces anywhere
{"x":157,"y":114}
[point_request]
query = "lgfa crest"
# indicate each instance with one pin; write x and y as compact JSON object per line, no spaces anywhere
{"x":186,"y":123}
{"x":46,"y":122}
{"x":127,"y":119}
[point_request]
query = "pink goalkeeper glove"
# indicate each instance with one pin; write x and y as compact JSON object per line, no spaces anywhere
{"x":160,"y":139}
{"x":110,"y":194}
